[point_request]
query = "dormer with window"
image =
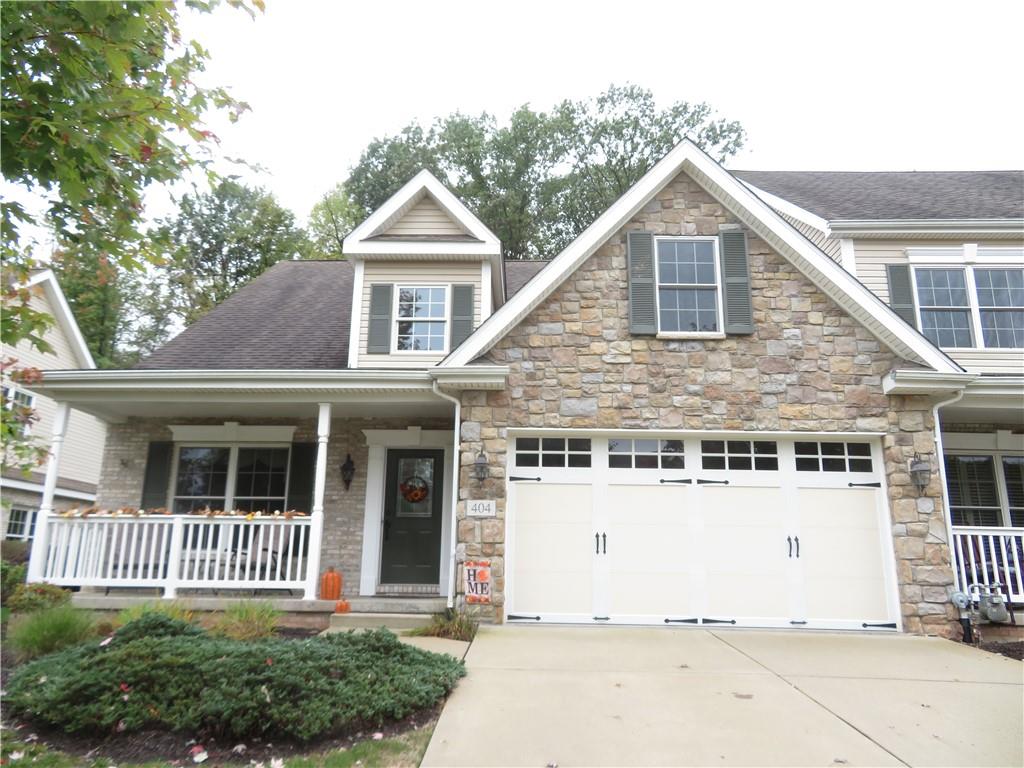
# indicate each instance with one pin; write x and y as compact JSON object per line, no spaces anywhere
{"x":427,"y":272}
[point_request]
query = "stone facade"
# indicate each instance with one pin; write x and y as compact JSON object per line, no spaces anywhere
{"x":124,"y":465}
{"x":807,"y":367}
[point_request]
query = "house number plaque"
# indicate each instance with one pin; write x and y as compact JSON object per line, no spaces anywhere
{"x":481,"y":508}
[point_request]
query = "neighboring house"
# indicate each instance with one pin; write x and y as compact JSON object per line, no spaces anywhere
{"x":695,"y":414}
{"x":82,"y":450}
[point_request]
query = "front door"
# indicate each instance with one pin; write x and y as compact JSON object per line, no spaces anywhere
{"x":413,"y":496}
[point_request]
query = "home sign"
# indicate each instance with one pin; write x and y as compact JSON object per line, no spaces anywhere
{"x":477,"y":577}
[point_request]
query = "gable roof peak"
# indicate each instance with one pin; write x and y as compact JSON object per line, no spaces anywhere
{"x":473,"y":237}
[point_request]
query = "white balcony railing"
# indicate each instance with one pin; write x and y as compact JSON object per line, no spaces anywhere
{"x":175,"y":551}
{"x":990,"y":555}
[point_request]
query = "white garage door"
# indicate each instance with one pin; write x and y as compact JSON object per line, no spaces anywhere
{"x":704,"y":529}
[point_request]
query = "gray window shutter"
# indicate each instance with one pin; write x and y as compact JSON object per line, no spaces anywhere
{"x":301,"y":476}
{"x":378,"y":332}
{"x":738,"y":312}
{"x":643,"y":312}
{"x":462,"y":314}
{"x":901,"y":292}
{"x":158,"y":475}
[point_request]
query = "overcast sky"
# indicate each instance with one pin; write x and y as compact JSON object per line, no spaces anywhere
{"x":824,"y":85}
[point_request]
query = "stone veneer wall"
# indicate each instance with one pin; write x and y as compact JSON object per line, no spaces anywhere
{"x":124,"y":465}
{"x":808,"y":367}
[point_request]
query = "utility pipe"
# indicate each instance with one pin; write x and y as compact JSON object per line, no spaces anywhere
{"x":455,"y":489}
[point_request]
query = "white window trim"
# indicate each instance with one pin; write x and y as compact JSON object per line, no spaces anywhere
{"x":229,"y":486}
{"x":395,"y":319}
{"x":719,"y":319}
{"x":12,"y":395}
{"x":1001,"y":491}
{"x":973,"y":308}
{"x":30,"y":523}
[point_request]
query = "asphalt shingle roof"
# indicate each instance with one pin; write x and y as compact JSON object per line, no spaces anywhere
{"x":888,"y":195}
{"x":293,"y":316}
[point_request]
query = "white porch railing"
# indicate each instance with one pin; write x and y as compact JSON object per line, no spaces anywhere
{"x":987,"y":555}
{"x":175,"y":551}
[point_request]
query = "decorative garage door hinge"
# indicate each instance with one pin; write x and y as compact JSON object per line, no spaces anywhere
{"x":516,"y":617}
{"x":516,"y":479}
{"x":682,"y":621}
{"x":888,"y":625}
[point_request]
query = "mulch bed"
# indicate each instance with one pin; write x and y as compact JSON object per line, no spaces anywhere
{"x":175,"y":748}
{"x":1012,"y":649}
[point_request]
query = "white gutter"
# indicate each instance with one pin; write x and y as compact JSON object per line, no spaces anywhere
{"x":947,"y":512}
{"x":924,"y":226}
{"x":921,"y":382}
{"x":455,"y":489}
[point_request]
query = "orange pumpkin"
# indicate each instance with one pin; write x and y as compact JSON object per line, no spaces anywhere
{"x":330,"y":585}
{"x":342,"y":606}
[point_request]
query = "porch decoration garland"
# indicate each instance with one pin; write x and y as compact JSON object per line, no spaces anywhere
{"x":204,"y":512}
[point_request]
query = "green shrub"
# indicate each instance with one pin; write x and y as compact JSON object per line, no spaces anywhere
{"x":450,"y":624}
{"x":36,"y":596}
{"x":171,"y":608}
{"x":11,"y":575}
{"x":155,"y":625}
{"x":223,"y":688}
{"x":48,"y":630}
{"x":15,"y":551}
{"x":248,"y":620}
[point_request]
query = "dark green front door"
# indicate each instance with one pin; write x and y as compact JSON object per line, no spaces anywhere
{"x":413,"y":496}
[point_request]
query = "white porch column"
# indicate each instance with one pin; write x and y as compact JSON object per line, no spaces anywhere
{"x":316,"y":528}
{"x":37,"y":560}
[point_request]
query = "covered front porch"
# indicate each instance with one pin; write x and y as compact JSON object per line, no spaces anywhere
{"x":982,"y":433}
{"x":243,"y":485}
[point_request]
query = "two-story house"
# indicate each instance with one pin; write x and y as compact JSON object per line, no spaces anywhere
{"x":82,"y":449}
{"x":697,"y":413}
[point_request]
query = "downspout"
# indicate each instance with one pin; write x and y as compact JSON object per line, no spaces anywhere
{"x":455,"y":489}
{"x":941,"y":458}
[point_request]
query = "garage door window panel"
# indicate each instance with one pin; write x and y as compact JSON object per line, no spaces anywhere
{"x":833,"y":457}
{"x":645,"y":454}
{"x":553,"y":452}
{"x":762,"y":455}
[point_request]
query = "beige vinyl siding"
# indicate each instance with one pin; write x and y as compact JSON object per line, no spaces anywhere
{"x":822,"y":240}
{"x":414,"y":273}
{"x":872,"y":257}
{"x":83,"y":443}
{"x":424,"y":218}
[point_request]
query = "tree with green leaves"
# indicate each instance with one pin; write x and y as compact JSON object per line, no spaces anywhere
{"x":542,"y":178}
{"x":221,"y":240}
{"x":332,"y":218}
{"x":94,"y":287}
{"x":99,"y":101}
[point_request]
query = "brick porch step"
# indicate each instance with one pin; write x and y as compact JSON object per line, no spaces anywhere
{"x":396,"y":622}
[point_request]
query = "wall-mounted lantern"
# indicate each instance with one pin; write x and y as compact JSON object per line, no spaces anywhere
{"x":481,"y":469}
{"x":348,"y":471}
{"x":920,"y":472}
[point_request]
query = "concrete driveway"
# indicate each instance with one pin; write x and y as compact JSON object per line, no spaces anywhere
{"x":626,"y":696}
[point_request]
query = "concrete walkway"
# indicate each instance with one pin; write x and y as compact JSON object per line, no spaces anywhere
{"x":622,"y":696}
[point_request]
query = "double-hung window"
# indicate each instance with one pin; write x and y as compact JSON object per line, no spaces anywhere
{"x":21,"y":523}
{"x":971,"y":306}
{"x":689,"y":295}
{"x":21,"y":404}
{"x":986,"y":489}
{"x":421,"y":317}
{"x":246,"y":478}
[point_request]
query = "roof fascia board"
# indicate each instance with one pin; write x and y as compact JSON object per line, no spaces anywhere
{"x":424,"y":181}
{"x":471,"y":377}
{"x":876,"y":315}
{"x":924,"y":226}
{"x":64,"y":316}
{"x":914,"y":381}
{"x":790,"y":209}
{"x":412,"y":248}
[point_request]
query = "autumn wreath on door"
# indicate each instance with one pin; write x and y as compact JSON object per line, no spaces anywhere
{"x":414,"y":489}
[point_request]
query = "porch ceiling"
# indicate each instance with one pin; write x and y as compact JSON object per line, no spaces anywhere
{"x":114,"y":411}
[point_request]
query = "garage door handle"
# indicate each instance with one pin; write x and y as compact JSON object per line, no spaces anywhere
{"x":514,"y":479}
{"x":789,"y":540}
{"x":687,"y":481}
{"x":710,"y":482}
{"x":597,"y":543}
{"x":863,"y":485}
{"x":604,"y":543}
{"x":797,"y":540}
